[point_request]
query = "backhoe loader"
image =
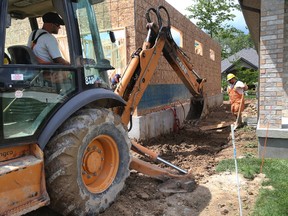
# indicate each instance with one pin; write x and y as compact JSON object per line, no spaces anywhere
{"x":64,"y":142}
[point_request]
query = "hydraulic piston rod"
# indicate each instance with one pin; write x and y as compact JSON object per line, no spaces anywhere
{"x":153,"y":156}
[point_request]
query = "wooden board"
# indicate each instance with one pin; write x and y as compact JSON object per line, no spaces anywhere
{"x":216,"y":126}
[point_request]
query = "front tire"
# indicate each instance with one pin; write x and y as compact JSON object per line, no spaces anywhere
{"x":87,"y":162}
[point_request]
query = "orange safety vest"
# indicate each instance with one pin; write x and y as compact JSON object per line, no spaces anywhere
{"x":235,"y":100}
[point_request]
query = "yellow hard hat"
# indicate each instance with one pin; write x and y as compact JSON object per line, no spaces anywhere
{"x":230,"y":76}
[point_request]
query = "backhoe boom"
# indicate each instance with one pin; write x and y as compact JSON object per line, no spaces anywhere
{"x":138,"y":74}
{"x":141,"y":68}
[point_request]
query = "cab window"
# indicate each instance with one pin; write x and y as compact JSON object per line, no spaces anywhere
{"x":29,"y":92}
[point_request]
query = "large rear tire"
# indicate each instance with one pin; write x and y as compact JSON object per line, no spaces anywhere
{"x":87,"y":162}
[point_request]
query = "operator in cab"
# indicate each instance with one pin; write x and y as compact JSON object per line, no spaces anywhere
{"x":235,"y":91}
{"x":44,"y":44}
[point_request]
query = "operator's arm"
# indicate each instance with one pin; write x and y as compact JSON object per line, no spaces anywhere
{"x":54,"y":52}
{"x":60,"y":60}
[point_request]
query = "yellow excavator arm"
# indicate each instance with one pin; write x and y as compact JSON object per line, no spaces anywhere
{"x":142,"y":66}
{"x":138,"y":74}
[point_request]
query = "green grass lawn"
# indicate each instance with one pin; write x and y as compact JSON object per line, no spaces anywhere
{"x":269,"y":202}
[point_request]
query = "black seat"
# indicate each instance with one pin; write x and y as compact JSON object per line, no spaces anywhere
{"x":21,"y":54}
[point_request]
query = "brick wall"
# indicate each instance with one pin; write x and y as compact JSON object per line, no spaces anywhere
{"x":206,"y":67}
{"x":132,"y":16}
{"x":273,"y":64}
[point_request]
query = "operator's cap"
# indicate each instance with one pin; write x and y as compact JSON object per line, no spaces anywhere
{"x":51,"y":17}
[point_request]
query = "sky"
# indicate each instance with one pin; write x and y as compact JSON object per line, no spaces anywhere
{"x":181,"y":5}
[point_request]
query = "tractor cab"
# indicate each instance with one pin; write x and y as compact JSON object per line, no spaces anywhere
{"x":32,"y":92}
{"x":36,"y":100}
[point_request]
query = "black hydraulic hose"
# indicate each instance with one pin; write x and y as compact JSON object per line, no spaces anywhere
{"x":130,"y":126}
{"x":160,"y":19}
{"x":147,"y":15}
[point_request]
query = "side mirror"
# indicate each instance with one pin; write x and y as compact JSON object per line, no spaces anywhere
{"x":103,"y":65}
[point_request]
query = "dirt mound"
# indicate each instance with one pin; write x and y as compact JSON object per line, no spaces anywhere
{"x":198,"y":151}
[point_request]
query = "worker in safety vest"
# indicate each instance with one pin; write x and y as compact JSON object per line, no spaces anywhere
{"x":235,"y":91}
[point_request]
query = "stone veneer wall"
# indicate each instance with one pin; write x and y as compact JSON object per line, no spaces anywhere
{"x":273,"y":105}
{"x":272,"y":95}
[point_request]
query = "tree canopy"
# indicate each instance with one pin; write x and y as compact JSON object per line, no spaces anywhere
{"x":212,"y":14}
{"x":233,"y":40}
{"x":212,"y":17}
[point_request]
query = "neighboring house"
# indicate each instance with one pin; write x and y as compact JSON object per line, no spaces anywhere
{"x":268,"y":24}
{"x":245,"y":58}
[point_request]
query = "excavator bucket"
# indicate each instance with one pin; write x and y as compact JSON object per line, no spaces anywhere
{"x":172,"y":183}
{"x":196,"y":109}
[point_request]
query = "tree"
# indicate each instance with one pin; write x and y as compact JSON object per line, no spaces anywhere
{"x":212,"y":14}
{"x":233,"y":40}
{"x":246,"y":75}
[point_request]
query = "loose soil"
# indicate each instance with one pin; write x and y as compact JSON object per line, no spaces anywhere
{"x":199,"y":152}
